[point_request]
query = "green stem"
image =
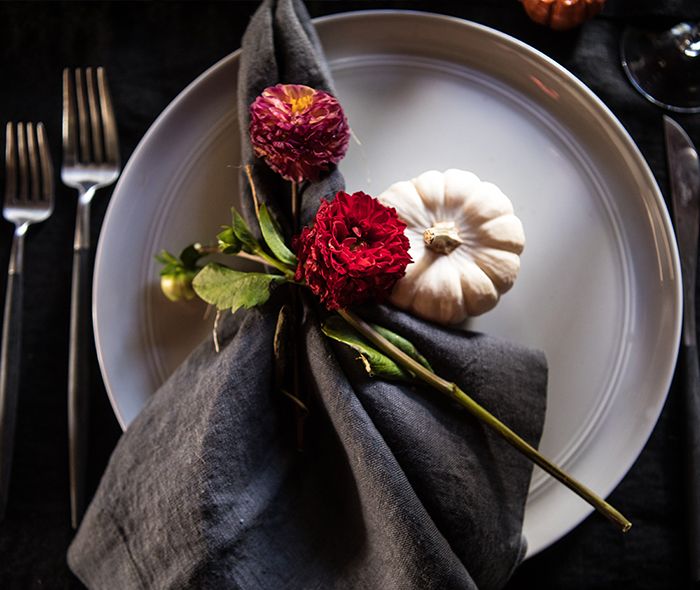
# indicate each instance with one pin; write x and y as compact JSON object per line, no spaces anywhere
{"x":260,"y":256}
{"x":297,"y":342}
{"x":295,"y":207}
{"x":287,"y":271}
{"x":453,"y":391}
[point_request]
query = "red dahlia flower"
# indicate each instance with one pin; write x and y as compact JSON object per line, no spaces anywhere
{"x":354,"y":253}
{"x":298,"y":131}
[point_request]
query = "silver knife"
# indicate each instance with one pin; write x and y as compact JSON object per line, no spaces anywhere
{"x":684,"y":174}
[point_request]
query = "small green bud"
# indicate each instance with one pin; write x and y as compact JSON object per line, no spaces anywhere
{"x":228,"y":242}
{"x":177,"y":286}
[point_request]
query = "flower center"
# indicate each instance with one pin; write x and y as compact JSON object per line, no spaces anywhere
{"x":442,"y":237}
{"x":359,"y":238}
{"x":300,"y":103}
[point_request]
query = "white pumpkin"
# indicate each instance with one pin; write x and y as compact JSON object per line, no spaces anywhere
{"x":465,"y":244}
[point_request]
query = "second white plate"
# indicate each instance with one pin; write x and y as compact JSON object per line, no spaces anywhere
{"x":599,"y":284}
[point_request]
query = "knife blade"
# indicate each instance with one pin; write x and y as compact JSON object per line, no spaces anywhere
{"x":684,"y":175}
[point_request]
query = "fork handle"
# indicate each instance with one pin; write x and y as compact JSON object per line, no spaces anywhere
{"x":78,"y":381}
{"x":10,"y":366}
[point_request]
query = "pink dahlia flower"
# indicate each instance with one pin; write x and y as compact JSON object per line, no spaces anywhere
{"x":354,"y":253}
{"x":298,"y":131}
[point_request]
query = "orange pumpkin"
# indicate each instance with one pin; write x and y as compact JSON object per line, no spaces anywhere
{"x":561,"y":15}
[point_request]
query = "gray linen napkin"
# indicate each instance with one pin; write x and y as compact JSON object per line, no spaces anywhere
{"x":397,"y":487}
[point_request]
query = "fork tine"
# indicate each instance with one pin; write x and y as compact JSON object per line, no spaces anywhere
{"x":35,"y":179}
{"x":70,"y":149}
{"x":108,"y":120}
{"x":10,"y":164}
{"x":47,"y":192}
{"x":83,"y":126}
{"x":96,"y":126}
{"x":23,"y":168}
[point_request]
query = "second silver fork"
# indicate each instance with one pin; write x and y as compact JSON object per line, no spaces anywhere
{"x":29,"y":198}
{"x":90,"y":162}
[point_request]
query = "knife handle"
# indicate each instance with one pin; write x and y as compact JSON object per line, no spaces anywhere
{"x":692,"y":427}
{"x":78,"y":381}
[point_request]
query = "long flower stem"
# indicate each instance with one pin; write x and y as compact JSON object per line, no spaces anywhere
{"x":295,"y":206}
{"x":253,"y":192}
{"x":269,"y":260}
{"x":297,"y":343}
{"x":453,"y":391}
{"x":261,"y":257}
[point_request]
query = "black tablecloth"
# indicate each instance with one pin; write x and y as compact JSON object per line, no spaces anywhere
{"x":151,"y":52}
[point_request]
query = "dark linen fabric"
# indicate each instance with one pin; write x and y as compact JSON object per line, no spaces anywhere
{"x":397,"y":487}
{"x":669,"y":9}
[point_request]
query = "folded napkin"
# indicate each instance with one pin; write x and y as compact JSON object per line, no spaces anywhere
{"x":397,"y":487}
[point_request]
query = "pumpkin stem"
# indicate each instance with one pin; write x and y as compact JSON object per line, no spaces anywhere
{"x":442,"y":237}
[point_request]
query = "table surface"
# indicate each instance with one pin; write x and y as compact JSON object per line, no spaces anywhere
{"x":151,"y":52}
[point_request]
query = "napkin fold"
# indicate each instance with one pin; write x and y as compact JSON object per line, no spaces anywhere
{"x":397,"y":487}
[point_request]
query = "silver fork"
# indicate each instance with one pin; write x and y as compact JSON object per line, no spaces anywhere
{"x":29,"y":198}
{"x":90,"y":162}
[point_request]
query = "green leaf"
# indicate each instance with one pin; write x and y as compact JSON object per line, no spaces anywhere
{"x":281,"y":332}
{"x":242,"y":232}
{"x":172,"y":265}
{"x":171,"y":269}
{"x":228,"y":242}
{"x":273,"y":238}
{"x":376,"y":364}
{"x":165,"y":257}
{"x":279,"y":344}
{"x":404,"y":345}
{"x":231,"y":289}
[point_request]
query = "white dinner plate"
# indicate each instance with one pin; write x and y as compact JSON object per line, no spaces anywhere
{"x":598,"y":289}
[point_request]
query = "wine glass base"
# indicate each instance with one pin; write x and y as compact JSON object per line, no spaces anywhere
{"x":660,"y":70}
